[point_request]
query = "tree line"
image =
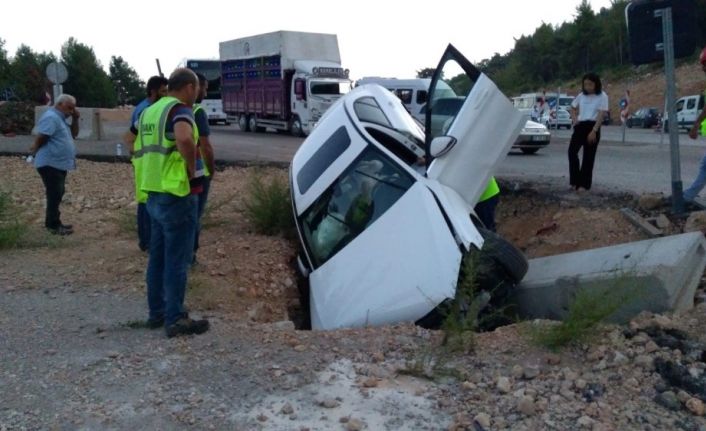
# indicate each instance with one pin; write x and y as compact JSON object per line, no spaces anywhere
{"x":592,"y":41}
{"x":23,"y":77}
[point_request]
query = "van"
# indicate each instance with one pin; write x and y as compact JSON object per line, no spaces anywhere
{"x":688,"y":109}
{"x":412,"y":92}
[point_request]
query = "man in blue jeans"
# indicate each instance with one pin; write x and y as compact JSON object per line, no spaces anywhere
{"x":164,"y":159}
{"x":156,"y":89}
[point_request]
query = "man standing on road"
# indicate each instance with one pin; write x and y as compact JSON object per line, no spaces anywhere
{"x":699,"y":126}
{"x":165,"y":155}
{"x":204,"y":157}
{"x":55,"y":154}
{"x":156,"y":89}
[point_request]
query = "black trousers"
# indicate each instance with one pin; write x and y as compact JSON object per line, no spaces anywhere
{"x":54,"y":183}
{"x":581,"y":174}
{"x":486,"y":212}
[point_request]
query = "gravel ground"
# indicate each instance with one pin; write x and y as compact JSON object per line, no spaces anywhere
{"x":72,"y":354}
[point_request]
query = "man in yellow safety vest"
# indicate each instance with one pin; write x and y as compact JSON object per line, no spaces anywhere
{"x":485,"y":208}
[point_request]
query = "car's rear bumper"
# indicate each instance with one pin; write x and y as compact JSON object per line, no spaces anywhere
{"x":532,"y":141}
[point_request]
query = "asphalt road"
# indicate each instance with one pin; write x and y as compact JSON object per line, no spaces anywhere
{"x":640,"y":165}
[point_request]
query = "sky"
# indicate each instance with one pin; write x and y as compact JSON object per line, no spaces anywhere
{"x":376,"y":38}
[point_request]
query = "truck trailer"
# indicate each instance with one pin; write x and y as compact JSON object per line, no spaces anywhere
{"x":283,"y":80}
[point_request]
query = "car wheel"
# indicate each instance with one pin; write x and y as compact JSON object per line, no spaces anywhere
{"x":505,"y":254}
{"x":243,"y":123}
{"x":530,"y":150}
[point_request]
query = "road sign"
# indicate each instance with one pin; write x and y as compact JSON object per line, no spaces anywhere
{"x":57,"y":73}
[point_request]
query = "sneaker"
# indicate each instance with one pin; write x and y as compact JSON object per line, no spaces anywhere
{"x":61,"y":231}
{"x":67,"y":226}
{"x":186,"y":326}
{"x":155,"y":323}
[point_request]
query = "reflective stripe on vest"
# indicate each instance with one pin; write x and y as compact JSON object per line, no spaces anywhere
{"x":491,"y":191}
{"x":159,"y":167}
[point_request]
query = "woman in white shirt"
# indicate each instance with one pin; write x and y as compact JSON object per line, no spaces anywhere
{"x":587,"y":111}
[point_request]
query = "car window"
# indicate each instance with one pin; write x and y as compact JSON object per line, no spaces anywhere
{"x":691,"y":104}
{"x":405,"y":95}
{"x":368,"y":110}
{"x":680,"y":105}
{"x":448,"y":96}
{"x":322,"y":159}
{"x":421,"y":97}
{"x":701,"y":102}
{"x":363,"y":193}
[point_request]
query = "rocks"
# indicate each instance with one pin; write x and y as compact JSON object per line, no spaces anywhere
{"x":483,"y":420}
{"x":695,"y":406}
{"x":651,"y":347}
{"x":284,"y":325}
{"x":645,"y":362}
{"x":526,"y":406}
{"x":287,"y":409}
{"x":619,"y":360}
{"x":552,"y":359}
{"x":663,"y":222}
{"x":503,"y":385}
{"x":668,"y":400}
{"x":683,"y":397}
{"x":530,"y":373}
{"x":370,"y":383}
{"x":696,"y":222}
{"x":585,"y":422}
{"x":651,"y":201}
{"x":330,"y":403}
{"x":517,"y":371}
{"x":355,"y":425}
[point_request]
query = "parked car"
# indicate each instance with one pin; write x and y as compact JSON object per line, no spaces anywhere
{"x":688,"y":109}
{"x":557,"y":119}
{"x":383,"y":238}
{"x":532,"y":137}
{"x":644,"y":118}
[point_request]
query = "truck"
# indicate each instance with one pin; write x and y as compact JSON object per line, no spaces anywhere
{"x":283,"y":80}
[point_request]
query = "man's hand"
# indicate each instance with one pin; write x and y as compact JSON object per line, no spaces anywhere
{"x":694,"y":132}
{"x":75,"y":114}
{"x":592,"y":137}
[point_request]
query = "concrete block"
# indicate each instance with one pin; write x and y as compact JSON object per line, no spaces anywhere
{"x":666,"y":272}
{"x":96,"y":124}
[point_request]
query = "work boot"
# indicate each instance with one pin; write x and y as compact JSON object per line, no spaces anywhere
{"x":155,"y":323}
{"x":186,"y":326}
{"x":61,"y":231}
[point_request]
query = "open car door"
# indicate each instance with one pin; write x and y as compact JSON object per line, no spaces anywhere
{"x":473,"y":122}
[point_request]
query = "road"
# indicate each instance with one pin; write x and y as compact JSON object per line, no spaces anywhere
{"x":640,"y":165}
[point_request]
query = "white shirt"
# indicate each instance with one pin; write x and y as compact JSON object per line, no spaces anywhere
{"x":589,"y":105}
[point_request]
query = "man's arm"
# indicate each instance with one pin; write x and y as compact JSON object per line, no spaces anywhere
{"x":129,"y":140}
{"x":184,"y":136}
{"x":207,"y":154}
{"x":39,"y":142}
{"x":694,"y":132}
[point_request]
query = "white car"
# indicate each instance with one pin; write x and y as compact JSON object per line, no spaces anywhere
{"x":532,"y":137}
{"x":383,"y":237}
{"x":557,"y":119}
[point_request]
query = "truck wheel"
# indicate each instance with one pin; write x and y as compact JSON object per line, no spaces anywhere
{"x":504,"y":253}
{"x":243,"y":123}
{"x":295,"y":127}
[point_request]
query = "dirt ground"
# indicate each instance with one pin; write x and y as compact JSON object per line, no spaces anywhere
{"x":72,"y":354}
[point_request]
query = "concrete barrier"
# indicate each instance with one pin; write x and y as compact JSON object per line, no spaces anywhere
{"x":96,"y":124}
{"x":664,"y":272}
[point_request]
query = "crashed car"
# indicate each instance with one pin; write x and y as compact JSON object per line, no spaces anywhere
{"x":532,"y":137}
{"x":384,"y":212}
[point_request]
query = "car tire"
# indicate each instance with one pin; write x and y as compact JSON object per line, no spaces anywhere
{"x":512,"y":260}
{"x":529,"y":150}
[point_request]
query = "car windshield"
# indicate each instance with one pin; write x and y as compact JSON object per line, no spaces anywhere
{"x":329,"y":88}
{"x":363,"y":193}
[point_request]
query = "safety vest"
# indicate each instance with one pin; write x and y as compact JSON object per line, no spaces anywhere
{"x":159,"y":167}
{"x":492,"y":190}
{"x":196,"y":109}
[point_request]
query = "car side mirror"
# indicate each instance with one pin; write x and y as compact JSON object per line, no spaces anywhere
{"x":441,"y":145}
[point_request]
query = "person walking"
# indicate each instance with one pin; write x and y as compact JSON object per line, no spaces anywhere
{"x":698,"y":127}
{"x":587,"y":112}
{"x":54,"y":155}
{"x":165,"y":155}
{"x":204,"y":158}
{"x":156,"y":89}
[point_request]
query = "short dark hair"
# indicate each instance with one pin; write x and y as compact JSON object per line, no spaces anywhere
{"x":155,"y":83}
{"x":593,"y":77}
{"x":182,"y":77}
{"x":202,"y":78}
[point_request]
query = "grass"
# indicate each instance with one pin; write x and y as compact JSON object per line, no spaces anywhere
{"x":12,"y":231}
{"x":126,"y":220}
{"x":588,"y":311}
{"x":209,"y":219}
{"x":202,"y":293}
{"x":268,"y":205}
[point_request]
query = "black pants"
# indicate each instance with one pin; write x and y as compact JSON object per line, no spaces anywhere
{"x":54,"y":183}
{"x":486,"y":212}
{"x":581,"y":174}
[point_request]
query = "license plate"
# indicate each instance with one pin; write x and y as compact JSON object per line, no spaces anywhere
{"x":539,"y":138}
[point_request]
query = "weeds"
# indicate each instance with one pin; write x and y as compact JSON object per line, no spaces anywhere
{"x":587,"y":312}
{"x":268,"y":205}
{"x":126,"y":221}
{"x":12,"y":232}
{"x":209,"y":220}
